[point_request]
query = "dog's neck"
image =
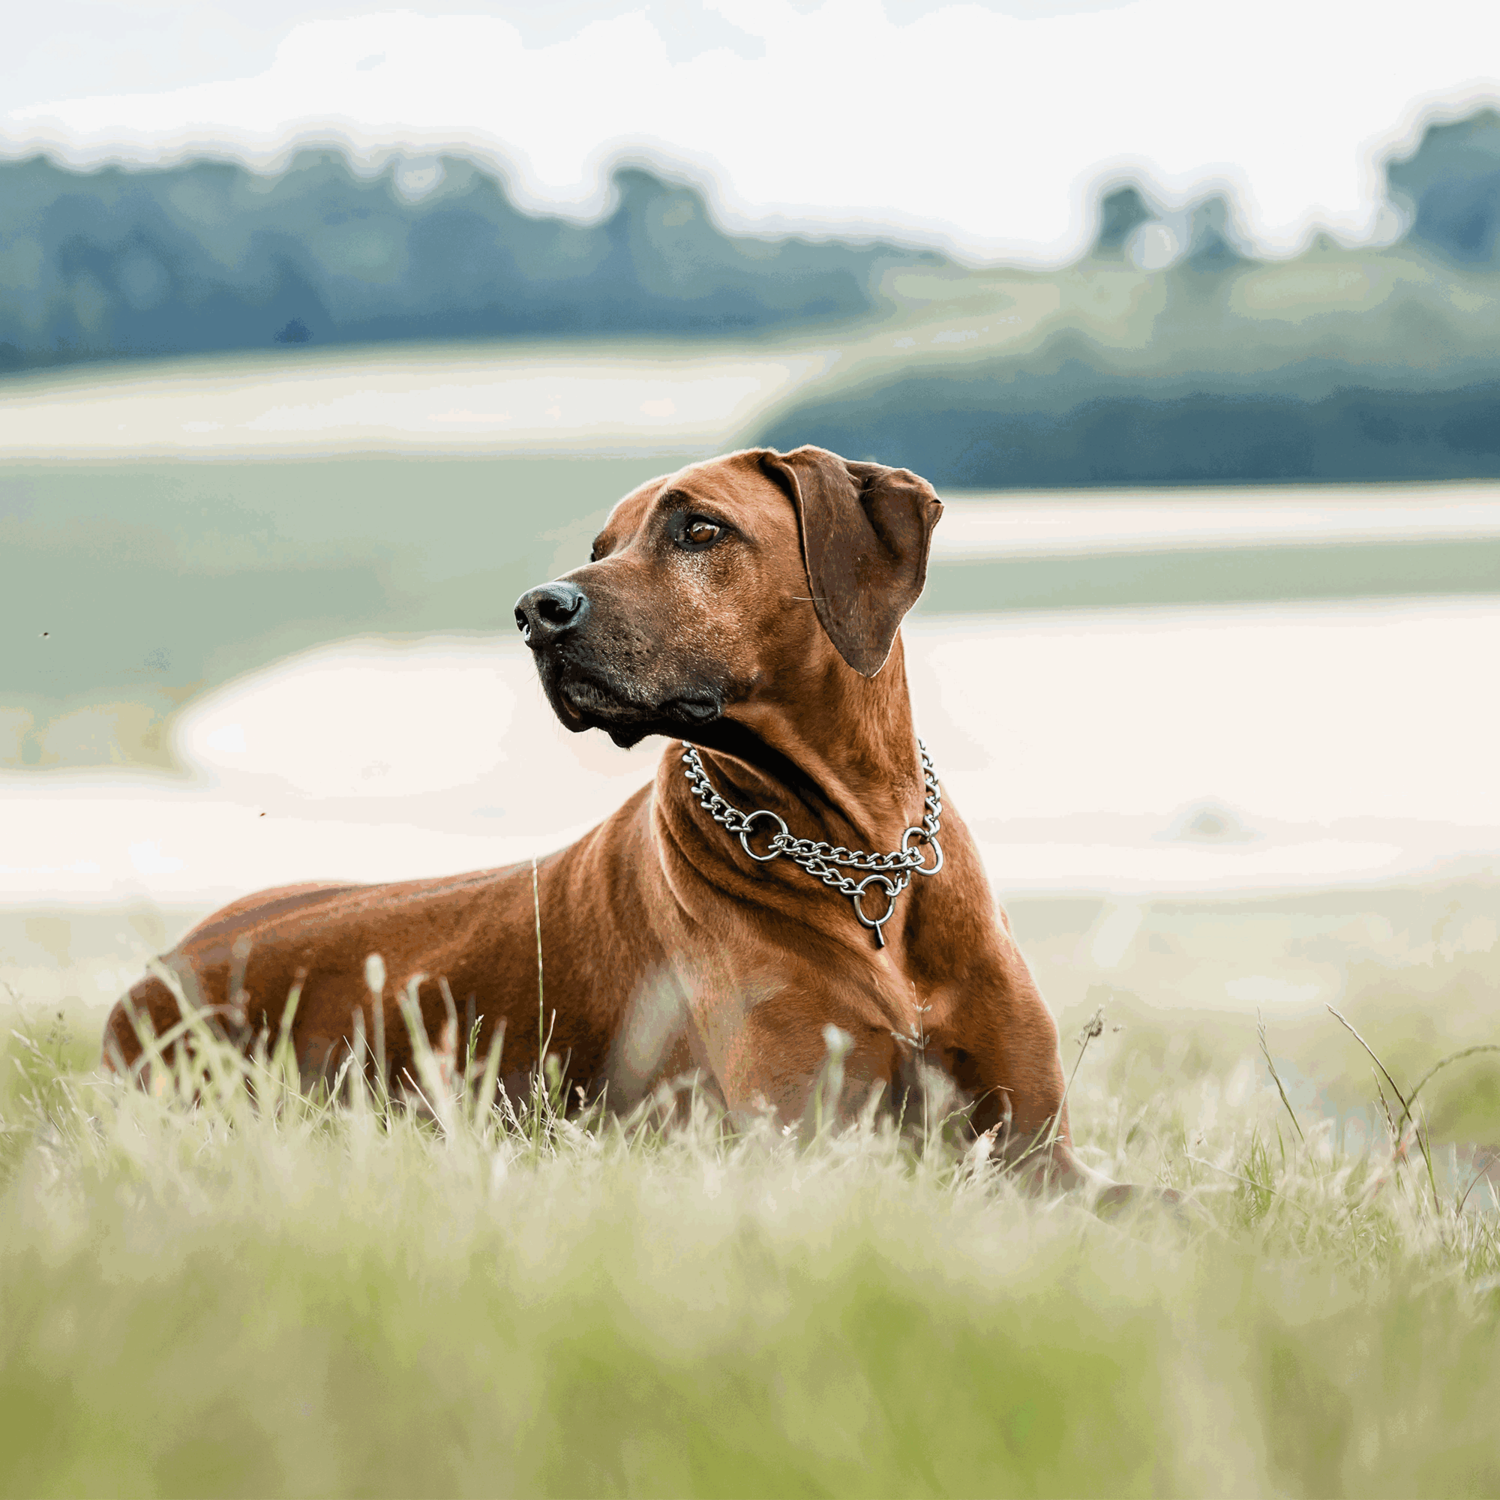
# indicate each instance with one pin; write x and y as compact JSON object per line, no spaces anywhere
{"x":846,"y":770}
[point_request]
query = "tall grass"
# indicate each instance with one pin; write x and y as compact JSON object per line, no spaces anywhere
{"x":219,"y":1285}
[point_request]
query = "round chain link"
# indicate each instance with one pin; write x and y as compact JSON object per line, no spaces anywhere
{"x":891,"y":872}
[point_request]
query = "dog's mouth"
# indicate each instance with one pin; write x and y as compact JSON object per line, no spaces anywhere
{"x":584,"y":697}
{"x":581,"y":698}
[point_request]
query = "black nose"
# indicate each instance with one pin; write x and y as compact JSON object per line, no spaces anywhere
{"x":543,"y":614}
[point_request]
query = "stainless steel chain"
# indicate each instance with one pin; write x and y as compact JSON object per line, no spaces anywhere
{"x":892,"y":872}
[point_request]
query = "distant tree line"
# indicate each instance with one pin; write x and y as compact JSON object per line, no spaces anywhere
{"x":207,"y":255}
{"x":1022,"y":431}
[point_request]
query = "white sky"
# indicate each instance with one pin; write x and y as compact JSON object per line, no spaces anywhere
{"x":982,"y":125}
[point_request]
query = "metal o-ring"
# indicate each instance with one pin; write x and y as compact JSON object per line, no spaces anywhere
{"x":937,"y":848}
{"x":750,"y":818}
{"x":891,"y":892}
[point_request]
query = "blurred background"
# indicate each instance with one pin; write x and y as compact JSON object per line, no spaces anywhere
{"x":326,"y":331}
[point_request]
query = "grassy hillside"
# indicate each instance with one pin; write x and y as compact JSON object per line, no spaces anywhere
{"x":1341,"y":364}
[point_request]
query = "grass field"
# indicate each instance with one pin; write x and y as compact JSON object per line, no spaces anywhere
{"x":348,"y":1299}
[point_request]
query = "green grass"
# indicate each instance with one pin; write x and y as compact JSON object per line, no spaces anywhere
{"x":212,"y":1298}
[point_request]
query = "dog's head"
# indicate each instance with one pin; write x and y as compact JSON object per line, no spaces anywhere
{"x":729,"y":584}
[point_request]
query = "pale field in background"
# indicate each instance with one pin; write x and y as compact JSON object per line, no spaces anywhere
{"x":634,"y":396}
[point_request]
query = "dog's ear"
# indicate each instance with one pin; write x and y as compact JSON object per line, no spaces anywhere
{"x":865,"y":534}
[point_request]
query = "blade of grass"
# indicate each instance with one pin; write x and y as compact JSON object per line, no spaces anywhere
{"x":1484,"y":1167}
{"x":1092,"y":1028}
{"x":1405,"y":1103}
{"x":1259,"y":1187}
{"x":375,"y":983}
{"x":1265,"y":1051}
{"x":483,"y":1100}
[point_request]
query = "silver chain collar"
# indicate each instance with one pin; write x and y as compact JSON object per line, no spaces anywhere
{"x":892,"y":872}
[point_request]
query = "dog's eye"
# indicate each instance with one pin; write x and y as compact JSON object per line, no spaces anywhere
{"x":698,"y":533}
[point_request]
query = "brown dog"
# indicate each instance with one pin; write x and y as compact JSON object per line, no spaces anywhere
{"x":749,"y":605}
